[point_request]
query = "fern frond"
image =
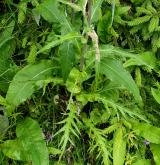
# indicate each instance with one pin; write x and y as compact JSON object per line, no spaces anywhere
{"x":32,"y":54}
{"x":22,"y":12}
{"x":153,"y":25}
{"x":111,"y":128}
{"x":70,"y":127}
{"x":142,"y":10}
{"x":99,"y":142}
{"x":139,"y":20}
{"x":119,"y":147}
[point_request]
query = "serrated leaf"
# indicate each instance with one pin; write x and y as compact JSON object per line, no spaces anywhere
{"x":114,"y":70}
{"x":69,"y":36}
{"x":156,"y":152}
{"x":141,"y":129}
{"x":119,"y":148}
{"x":29,"y":144}
{"x":156,"y":94}
{"x":23,"y":83}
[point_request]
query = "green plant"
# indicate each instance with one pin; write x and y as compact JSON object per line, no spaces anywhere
{"x":68,"y":69}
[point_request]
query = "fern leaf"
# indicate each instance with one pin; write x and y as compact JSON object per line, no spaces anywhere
{"x":119,"y":147}
{"x":22,"y":12}
{"x":32,"y":54}
{"x":139,"y":20}
{"x":153,"y":24}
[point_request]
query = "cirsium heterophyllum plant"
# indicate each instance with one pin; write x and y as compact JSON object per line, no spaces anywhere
{"x":88,"y":96}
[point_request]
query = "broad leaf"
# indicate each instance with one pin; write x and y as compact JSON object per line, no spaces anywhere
{"x":114,"y":70}
{"x":142,"y":129}
{"x":29,"y":144}
{"x":156,"y":152}
{"x":23,"y":83}
{"x":119,"y":148}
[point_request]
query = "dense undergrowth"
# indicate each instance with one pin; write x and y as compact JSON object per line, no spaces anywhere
{"x":79,"y":82}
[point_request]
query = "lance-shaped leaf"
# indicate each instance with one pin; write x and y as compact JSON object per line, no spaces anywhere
{"x":23,"y":83}
{"x":29,"y":144}
{"x":156,"y":94}
{"x":114,"y":70}
{"x":69,"y":36}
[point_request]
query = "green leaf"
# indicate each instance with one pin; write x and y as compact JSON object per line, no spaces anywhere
{"x":156,"y":94}
{"x":114,"y":70}
{"x":119,"y":148}
{"x":142,"y":129}
{"x":29,"y":144}
{"x":146,"y":58}
{"x":23,"y":83}
{"x":66,"y":37}
{"x":67,"y":57}
{"x":142,"y":162}
{"x":95,"y":8}
{"x":75,"y":80}
{"x":156,"y":152}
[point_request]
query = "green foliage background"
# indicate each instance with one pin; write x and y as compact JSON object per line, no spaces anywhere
{"x":79,"y":82}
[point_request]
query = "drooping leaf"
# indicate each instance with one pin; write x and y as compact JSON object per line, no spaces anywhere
{"x":156,"y":152}
{"x":29,"y":144}
{"x":142,"y":129}
{"x":23,"y":83}
{"x":119,"y":148}
{"x":114,"y":70}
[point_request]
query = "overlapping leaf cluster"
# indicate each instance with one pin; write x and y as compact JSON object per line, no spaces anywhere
{"x":79,"y":82}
